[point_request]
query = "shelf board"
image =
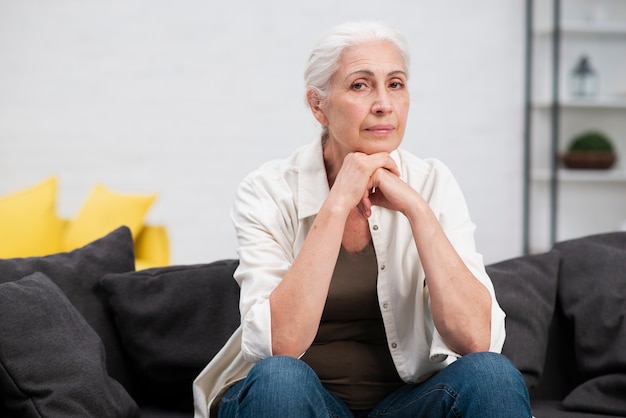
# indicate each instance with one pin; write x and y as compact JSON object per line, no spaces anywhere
{"x":585,"y":28}
{"x":614,"y":175}
{"x":599,"y":103}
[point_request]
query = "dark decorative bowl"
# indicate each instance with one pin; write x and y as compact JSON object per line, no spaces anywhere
{"x":598,"y":160}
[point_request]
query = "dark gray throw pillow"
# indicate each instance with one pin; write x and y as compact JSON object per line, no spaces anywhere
{"x":173,"y":320}
{"x":52,"y":363}
{"x":526,"y":290}
{"x":592,"y":292}
{"x":77,"y":273}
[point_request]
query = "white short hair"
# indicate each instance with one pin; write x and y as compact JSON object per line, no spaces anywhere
{"x":324,"y":58}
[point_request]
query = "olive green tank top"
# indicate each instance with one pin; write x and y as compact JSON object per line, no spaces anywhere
{"x":350,"y":353}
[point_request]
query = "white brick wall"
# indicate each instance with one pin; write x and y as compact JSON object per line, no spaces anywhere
{"x":183,"y":98}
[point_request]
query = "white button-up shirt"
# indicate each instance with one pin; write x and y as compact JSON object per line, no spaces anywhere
{"x":273,"y":212}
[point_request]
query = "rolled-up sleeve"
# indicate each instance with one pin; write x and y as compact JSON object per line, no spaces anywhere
{"x":265,"y":257}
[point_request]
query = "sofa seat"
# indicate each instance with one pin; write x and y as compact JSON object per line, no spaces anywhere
{"x":154,"y":412}
{"x":554,"y":409}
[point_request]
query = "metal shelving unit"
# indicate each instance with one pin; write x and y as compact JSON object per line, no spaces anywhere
{"x":554,"y":105}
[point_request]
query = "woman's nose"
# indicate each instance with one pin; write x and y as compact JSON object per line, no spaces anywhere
{"x":382,"y":103}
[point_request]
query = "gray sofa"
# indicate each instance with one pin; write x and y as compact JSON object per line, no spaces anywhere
{"x":566,"y":325}
{"x":83,"y":334}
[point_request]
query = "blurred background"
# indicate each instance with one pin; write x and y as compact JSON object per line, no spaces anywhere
{"x":183,"y":98}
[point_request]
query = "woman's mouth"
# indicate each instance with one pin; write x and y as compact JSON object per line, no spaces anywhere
{"x":380,"y":129}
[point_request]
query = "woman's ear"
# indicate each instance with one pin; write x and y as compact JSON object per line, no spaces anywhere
{"x":315,"y":103}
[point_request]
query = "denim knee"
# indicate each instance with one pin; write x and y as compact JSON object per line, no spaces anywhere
{"x":277,"y":386}
{"x":493,"y":368}
{"x":497,"y":382}
{"x":489,"y":370}
{"x":282,"y":371}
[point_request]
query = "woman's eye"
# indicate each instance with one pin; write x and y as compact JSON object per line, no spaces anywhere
{"x":396,"y":85}
{"x":358,"y":86}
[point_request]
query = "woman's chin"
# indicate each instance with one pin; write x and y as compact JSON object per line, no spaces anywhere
{"x":373,"y":147}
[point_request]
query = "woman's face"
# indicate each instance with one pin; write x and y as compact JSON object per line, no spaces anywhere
{"x":368,"y":101}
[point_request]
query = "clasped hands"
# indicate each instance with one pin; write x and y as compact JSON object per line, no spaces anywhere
{"x":367,"y":180}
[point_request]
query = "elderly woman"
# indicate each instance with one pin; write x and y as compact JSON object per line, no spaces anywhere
{"x":361,"y":289}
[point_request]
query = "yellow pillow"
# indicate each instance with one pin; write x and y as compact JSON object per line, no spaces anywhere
{"x":29,"y":224}
{"x":104,"y":211}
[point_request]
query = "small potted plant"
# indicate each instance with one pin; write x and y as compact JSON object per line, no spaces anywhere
{"x":590,"y":150}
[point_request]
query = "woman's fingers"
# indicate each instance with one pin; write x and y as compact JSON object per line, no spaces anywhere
{"x":365,"y":205}
{"x":356,"y":178}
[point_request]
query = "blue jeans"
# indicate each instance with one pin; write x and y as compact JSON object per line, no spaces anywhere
{"x":484,"y":385}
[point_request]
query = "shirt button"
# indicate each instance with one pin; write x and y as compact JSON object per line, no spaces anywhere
{"x":382,"y":267}
{"x":375,"y":227}
{"x":385,"y":305}
{"x":394,"y":345}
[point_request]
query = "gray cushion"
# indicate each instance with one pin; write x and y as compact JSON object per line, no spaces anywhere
{"x":526,"y":290}
{"x":77,"y":273}
{"x":173,"y":320}
{"x":592,"y":292}
{"x":52,"y":363}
